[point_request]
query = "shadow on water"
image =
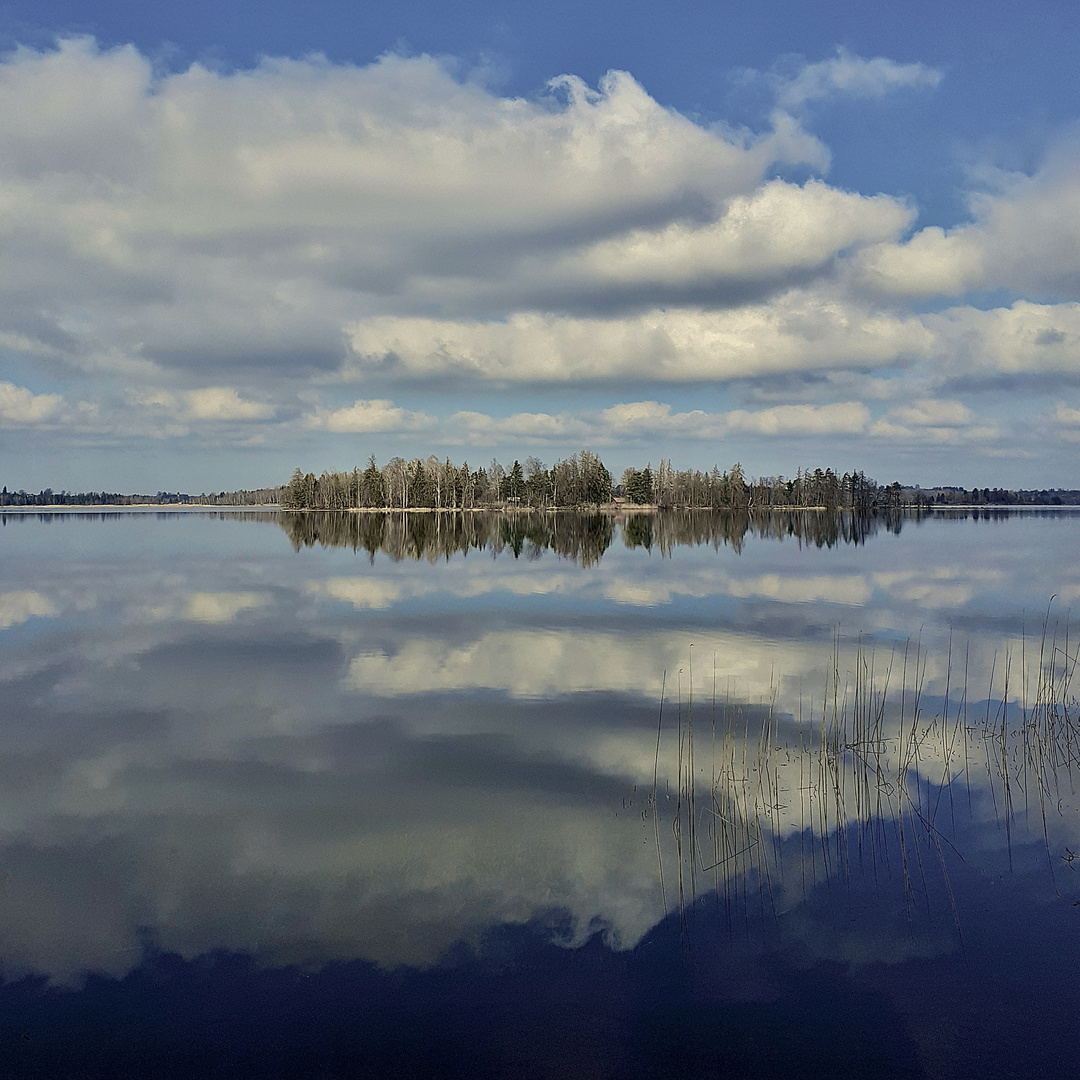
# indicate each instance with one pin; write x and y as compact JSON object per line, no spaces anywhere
{"x":578,"y":535}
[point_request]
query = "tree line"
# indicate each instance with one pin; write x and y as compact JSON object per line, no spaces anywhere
{"x":47,"y":497}
{"x":581,"y":480}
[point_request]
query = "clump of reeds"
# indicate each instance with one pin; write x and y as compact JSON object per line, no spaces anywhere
{"x":864,"y":771}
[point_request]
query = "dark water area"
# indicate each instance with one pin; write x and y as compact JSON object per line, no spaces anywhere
{"x":294,"y":795}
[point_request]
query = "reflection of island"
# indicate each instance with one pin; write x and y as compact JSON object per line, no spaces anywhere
{"x":581,"y":536}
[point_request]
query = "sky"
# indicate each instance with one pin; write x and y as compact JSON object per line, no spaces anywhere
{"x":237,"y":238}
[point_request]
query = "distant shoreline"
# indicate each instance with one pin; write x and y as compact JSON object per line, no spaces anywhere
{"x":89,"y":508}
{"x":601,"y":508}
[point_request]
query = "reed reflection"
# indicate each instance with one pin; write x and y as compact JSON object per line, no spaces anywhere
{"x":875,"y":778}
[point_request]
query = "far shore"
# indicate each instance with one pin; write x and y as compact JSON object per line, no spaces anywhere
{"x":84,"y":508}
{"x":602,"y":508}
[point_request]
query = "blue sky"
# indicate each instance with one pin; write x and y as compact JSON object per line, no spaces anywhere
{"x":236,"y":238}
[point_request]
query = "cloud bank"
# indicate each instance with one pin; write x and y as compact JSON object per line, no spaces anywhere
{"x":307,"y":248}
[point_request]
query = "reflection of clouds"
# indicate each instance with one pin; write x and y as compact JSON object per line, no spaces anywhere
{"x":524,"y":663}
{"x":534,"y":663}
{"x":1069,"y":593}
{"x":362,"y":592}
{"x":938,"y":586}
{"x":219,"y":607}
{"x":17,"y":607}
{"x":933,"y":587}
{"x":358,"y":840}
{"x":378,"y":593}
{"x":202,"y":607}
{"x":384,"y":785}
{"x":522,"y":584}
{"x":386,"y":840}
{"x":645,"y":593}
{"x":792,"y":588}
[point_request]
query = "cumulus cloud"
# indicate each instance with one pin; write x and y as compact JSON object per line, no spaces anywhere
{"x":760,"y":243}
{"x":1024,"y":338}
{"x":652,"y":418}
{"x":199,"y":245}
{"x":207,"y":403}
{"x":18,"y":406}
{"x":844,"y":418}
{"x":931,"y":413}
{"x":849,"y":75}
{"x":203,"y":219}
{"x":799,"y":331}
{"x":632,"y":421}
{"x":940,"y":421}
{"x":224,"y":403}
{"x":1024,"y":236}
{"x":1068,"y":422}
{"x":369,"y":416}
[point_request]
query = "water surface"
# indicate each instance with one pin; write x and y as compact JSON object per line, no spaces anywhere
{"x":323,"y":794}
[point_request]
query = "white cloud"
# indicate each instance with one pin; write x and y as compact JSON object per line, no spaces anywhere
{"x":799,"y":331}
{"x":1025,"y":338}
{"x":1068,"y":421}
{"x":223,"y":403}
{"x":931,"y":413}
{"x":844,"y":418}
{"x":939,"y":436}
{"x":1024,"y":236}
{"x":203,"y":220}
{"x":849,"y":75}
{"x":206,"y":403}
{"x":201,"y":244}
{"x":931,"y":262}
{"x":759,"y":240}
{"x":636,"y":420}
{"x":18,"y":406}
{"x":370,"y":416}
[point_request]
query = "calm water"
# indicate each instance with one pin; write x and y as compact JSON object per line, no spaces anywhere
{"x":344,"y":796}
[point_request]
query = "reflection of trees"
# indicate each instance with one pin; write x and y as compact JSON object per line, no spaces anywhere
{"x":581,"y":536}
{"x":669,"y":529}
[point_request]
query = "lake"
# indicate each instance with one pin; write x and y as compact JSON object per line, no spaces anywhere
{"x":566,"y":795}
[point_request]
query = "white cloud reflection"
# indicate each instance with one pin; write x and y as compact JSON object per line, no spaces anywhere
{"x":17,"y":607}
{"x":311,"y":774}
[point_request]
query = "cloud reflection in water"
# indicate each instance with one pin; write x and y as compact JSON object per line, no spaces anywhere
{"x":307,"y":760}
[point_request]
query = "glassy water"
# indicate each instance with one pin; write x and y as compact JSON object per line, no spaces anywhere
{"x":341,"y":795}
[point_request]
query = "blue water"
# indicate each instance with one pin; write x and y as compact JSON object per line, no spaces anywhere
{"x":276,"y":807}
